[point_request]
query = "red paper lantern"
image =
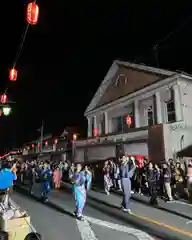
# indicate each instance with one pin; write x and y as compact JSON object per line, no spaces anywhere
{"x":32,"y":13}
{"x":13,"y":74}
{"x":95,"y":132}
{"x":128,"y":120}
{"x":4,"y":98}
{"x":33,"y":145}
{"x":38,"y":145}
{"x":46,"y":143}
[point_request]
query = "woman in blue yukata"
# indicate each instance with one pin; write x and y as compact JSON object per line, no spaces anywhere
{"x":46,"y":178}
{"x":81,"y":181}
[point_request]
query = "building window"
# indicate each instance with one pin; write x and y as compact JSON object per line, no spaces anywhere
{"x":128,"y":122}
{"x":102,"y":124}
{"x":119,"y":124}
{"x":171,"y":117}
{"x":92,"y":126}
{"x":150,"y":116}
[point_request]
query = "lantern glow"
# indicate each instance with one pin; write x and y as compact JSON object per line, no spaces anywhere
{"x":95,"y":132}
{"x":38,"y":145}
{"x":4,"y":98}
{"x":128,"y":120}
{"x":32,"y":14}
{"x":56,"y":141}
{"x":46,"y":143}
{"x":74,"y":137}
{"x":33,"y":145}
{"x":6,"y":111}
{"x":13,"y":74}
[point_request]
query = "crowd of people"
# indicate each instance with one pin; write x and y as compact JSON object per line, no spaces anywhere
{"x":48,"y":174}
{"x":169,"y":180}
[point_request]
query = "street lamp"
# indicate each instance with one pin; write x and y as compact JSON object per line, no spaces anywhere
{"x":6,"y":110}
{"x":74,"y":147}
{"x":74,"y":137}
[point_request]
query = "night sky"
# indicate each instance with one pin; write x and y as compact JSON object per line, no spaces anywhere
{"x":67,"y":54}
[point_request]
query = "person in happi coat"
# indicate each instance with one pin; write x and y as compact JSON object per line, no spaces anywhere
{"x":127,"y":169}
{"x":81,"y":181}
{"x":46,"y":179}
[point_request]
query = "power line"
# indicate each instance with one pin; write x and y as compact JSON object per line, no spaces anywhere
{"x":169,"y":35}
{"x":20,"y":47}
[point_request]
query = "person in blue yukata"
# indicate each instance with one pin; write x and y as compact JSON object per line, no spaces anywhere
{"x":7,"y":178}
{"x":46,"y":179}
{"x":81,"y":181}
{"x":127,"y":169}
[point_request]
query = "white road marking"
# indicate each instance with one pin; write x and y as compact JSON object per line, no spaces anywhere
{"x":140,"y":235}
{"x":180,"y":202}
{"x":85,"y":230}
{"x":188,"y":222}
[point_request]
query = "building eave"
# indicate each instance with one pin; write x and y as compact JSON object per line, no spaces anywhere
{"x":146,"y":68}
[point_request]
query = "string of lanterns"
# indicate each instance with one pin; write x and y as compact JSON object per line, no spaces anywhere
{"x":32,"y":16}
{"x":55,"y":141}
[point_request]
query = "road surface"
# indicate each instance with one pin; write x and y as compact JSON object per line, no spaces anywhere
{"x":102,"y":221}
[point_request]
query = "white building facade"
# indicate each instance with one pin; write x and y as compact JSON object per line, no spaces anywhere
{"x":153,"y":99}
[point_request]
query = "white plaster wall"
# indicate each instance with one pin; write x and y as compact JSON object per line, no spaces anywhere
{"x":144,"y":104}
{"x":176,"y":139}
{"x":186,"y":100}
{"x":173,"y":135}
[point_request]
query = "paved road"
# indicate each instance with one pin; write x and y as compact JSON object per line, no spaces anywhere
{"x":102,"y":221}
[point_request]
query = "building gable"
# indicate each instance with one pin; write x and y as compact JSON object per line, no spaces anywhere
{"x":102,"y":88}
{"x":123,"y":79}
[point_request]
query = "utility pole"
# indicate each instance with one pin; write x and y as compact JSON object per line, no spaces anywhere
{"x":156,"y":55}
{"x":42,"y":130}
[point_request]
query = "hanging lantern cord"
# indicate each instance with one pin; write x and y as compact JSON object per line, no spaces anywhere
{"x":23,"y":37}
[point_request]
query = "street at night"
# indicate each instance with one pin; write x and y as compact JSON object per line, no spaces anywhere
{"x":103,"y":219}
